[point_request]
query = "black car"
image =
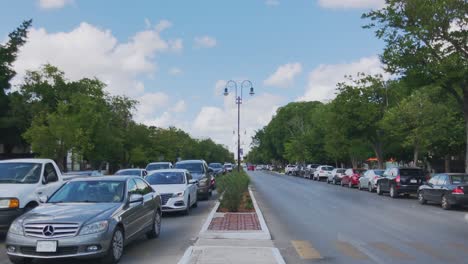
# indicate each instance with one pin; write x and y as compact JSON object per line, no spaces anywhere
{"x":202,"y":173}
{"x":398,"y":181}
{"x":217,"y":168}
{"x":448,"y":189}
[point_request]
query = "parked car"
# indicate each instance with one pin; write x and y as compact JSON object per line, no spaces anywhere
{"x":22,"y":183}
{"x":158,"y":166}
{"x":369,"y":179}
{"x":398,"y":181}
{"x":336,"y":175}
{"x":321,"y":172}
{"x":218,"y":168}
{"x":228,"y":167}
{"x":251,"y":167}
{"x":309,"y":170}
{"x":132,"y":172}
{"x":351,"y":177}
{"x":290,"y":168}
{"x":177,"y":189}
{"x":202,"y":173}
{"x":447,"y":189}
{"x":87,"y":218}
{"x":85,"y":173}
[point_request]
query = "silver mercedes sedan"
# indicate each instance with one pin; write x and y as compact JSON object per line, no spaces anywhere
{"x":87,"y":218}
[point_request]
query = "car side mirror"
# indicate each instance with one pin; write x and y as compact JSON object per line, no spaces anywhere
{"x":136,"y":198}
{"x":43,"y":198}
{"x":193,"y":181}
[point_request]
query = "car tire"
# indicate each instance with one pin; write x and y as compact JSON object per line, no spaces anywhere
{"x":341,"y":183}
{"x":369,"y":187}
{"x":350,"y":184}
{"x":115,"y":251}
{"x":20,"y":260}
{"x":359,"y":187}
{"x":378,"y":189}
{"x":445,"y":203}
{"x":393,"y":192}
{"x":334,"y":181}
{"x":156,"y":229}
{"x":195,"y":205}
{"x":187,"y":209}
{"x":421,"y":199}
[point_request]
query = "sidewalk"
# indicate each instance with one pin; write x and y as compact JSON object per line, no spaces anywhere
{"x":234,"y":238}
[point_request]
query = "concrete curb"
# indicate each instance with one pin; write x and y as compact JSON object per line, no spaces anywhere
{"x":187,"y":255}
{"x":263,"y":234}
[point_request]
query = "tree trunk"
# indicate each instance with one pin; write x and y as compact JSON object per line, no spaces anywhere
{"x":465,"y":114}
{"x":377,"y":146}
{"x":415,"y":155}
{"x":447,"y":163}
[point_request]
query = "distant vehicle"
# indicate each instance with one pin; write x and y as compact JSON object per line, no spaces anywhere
{"x":322,"y":171}
{"x":22,"y":184}
{"x":132,"y":172}
{"x":217,"y":168}
{"x":177,"y":188}
{"x":202,"y":173}
{"x":369,"y":179}
{"x":228,"y":167}
{"x":89,"y":218}
{"x":158,"y":166}
{"x":310,"y":169}
{"x":336,"y":176}
{"x":398,"y":181}
{"x":251,"y":167}
{"x":290,"y":168}
{"x":89,"y":173}
{"x":447,"y":189}
{"x":351,"y":177}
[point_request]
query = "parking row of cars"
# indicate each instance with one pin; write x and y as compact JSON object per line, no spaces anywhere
{"x":49,"y":215}
{"x":447,"y":189}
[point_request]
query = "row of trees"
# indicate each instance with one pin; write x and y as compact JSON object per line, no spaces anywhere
{"x":56,"y":117}
{"x":421,"y":114}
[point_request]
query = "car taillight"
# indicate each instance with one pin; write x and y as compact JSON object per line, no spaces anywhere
{"x":458,"y":190}
{"x":397,"y":179}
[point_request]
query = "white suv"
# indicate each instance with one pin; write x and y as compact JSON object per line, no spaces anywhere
{"x":322,"y":172}
{"x":290,"y":169}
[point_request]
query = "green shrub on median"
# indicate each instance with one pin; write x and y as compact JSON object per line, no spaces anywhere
{"x":232,"y":186}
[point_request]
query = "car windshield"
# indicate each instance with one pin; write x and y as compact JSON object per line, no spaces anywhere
{"x":25,"y":173}
{"x":459,"y":179}
{"x":327,"y":168}
{"x":128,"y":172}
{"x":379,"y":172}
{"x":228,"y":165}
{"x":158,"y":166}
{"x":90,"y":192}
{"x":340,"y":170}
{"x":411,"y":172}
{"x":192,"y":167}
{"x":216,"y":165}
{"x":158,"y":178}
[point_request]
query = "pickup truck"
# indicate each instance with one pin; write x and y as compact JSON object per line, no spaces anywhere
{"x":24,"y":183}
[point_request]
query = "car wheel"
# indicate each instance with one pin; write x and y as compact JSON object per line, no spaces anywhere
{"x":359,"y":187}
{"x":195,"y":205}
{"x":445,"y":203}
{"x":350,"y":184}
{"x":369,"y":187}
{"x":379,"y":190}
{"x":393,"y":192}
{"x":156,"y":229}
{"x":115,"y":251}
{"x":341,"y":183}
{"x":334,"y":181}
{"x":187,"y":209}
{"x":20,"y":260}
{"x":421,"y":199}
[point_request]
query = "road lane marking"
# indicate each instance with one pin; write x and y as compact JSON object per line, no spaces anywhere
{"x":305,"y":249}
{"x":391,"y":251}
{"x":430,"y":251}
{"x":350,"y":250}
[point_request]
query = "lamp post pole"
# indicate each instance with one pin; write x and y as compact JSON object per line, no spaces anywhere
{"x":233,"y":85}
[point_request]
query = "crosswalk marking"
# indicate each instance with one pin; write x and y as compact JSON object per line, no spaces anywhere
{"x":305,"y":249}
{"x":430,"y":251}
{"x":350,"y":250}
{"x":391,"y":251}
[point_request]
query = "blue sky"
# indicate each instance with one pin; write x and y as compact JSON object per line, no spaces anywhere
{"x":174,"y":55}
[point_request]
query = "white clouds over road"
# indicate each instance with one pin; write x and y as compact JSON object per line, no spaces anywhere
{"x":205,"y":42}
{"x":54,"y":4}
{"x":345,"y":4}
{"x":323,"y":79}
{"x":284,"y":76}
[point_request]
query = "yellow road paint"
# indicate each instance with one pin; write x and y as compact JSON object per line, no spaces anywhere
{"x":391,"y":251}
{"x":350,"y":250}
{"x":305,"y":249}
{"x":435,"y":253}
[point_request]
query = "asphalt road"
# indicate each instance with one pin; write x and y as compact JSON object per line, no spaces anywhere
{"x":178,"y":232}
{"x":314,"y":222}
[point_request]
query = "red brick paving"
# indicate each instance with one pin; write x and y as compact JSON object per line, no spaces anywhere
{"x":235,"y":222}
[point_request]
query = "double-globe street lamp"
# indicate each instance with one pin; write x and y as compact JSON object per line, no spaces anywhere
{"x":233,"y":85}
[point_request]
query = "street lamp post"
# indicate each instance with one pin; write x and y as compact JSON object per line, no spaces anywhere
{"x":233,"y":85}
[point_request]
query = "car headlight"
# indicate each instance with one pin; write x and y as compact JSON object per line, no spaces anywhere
{"x":203,"y":182}
{"x":9,"y":203}
{"x":179,"y":194}
{"x":93,"y":228}
{"x":16,"y":228}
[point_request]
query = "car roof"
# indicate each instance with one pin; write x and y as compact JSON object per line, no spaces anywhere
{"x":26,"y":161}
{"x":169,"y":170}
{"x":161,"y":162}
{"x":131,"y":169}
{"x":190,"y":161}
{"x":107,"y":178}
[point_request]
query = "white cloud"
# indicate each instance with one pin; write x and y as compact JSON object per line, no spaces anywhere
{"x":323,"y":79}
{"x":175,"y":71}
{"x":149,"y":106}
{"x":54,"y":4}
{"x":284,"y":76}
{"x":176,"y":45}
{"x":218,"y":123}
{"x":163,"y":25}
{"x":89,"y":51}
{"x":179,"y":107}
{"x":351,"y":3}
{"x":272,"y":2}
{"x":205,"y":42}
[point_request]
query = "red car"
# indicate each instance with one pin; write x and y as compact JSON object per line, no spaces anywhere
{"x":251,"y":167}
{"x":351,"y":177}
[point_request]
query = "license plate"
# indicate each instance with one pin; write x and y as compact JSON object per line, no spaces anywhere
{"x":414,"y":181}
{"x":46,"y":246}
